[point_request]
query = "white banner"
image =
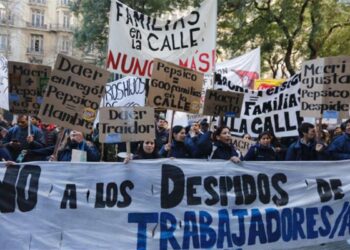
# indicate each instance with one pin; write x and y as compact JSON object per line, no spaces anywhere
{"x":241,"y":71}
{"x":136,"y":39}
{"x":276,"y":110}
{"x":4,"y":92}
{"x":173,"y":204}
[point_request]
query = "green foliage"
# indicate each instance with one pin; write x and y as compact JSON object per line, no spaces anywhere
{"x":287,"y":31}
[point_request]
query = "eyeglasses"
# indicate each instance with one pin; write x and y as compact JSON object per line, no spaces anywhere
{"x":149,"y":142}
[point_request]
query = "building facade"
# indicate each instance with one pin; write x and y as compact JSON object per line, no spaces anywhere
{"x":35,"y":31}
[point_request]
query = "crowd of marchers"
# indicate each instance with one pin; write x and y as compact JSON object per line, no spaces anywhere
{"x":32,"y":140}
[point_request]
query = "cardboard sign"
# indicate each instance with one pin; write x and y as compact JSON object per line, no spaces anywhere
{"x":175,"y":87}
{"x":27,"y":83}
{"x":325,"y":85}
{"x":4,"y":93}
{"x":126,"y":124}
{"x":136,"y":39}
{"x":224,"y":103}
{"x":73,"y":94}
{"x":242,"y":145}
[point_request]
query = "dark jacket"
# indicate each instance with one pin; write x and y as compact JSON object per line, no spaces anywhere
{"x":201,"y":145}
{"x":20,"y":134}
{"x":339,"y":149}
{"x":162,"y":137}
{"x":299,"y":151}
{"x":92,"y":153}
{"x":224,"y":151}
{"x":260,"y":153}
{"x":178,"y":150}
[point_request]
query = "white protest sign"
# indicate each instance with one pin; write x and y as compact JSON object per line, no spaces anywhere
{"x":4,"y":93}
{"x":128,"y":92}
{"x":136,"y":39}
{"x":173,"y":204}
{"x":126,"y":124}
{"x":276,"y":110}
{"x":325,"y":86}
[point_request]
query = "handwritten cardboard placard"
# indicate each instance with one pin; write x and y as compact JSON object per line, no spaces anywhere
{"x":325,"y":86}
{"x":73,"y":94}
{"x":126,"y":124}
{"x":242,"y":145}
{"x":27,"y":83}
{"x":175,"y":87}
{"x":218,"y":102}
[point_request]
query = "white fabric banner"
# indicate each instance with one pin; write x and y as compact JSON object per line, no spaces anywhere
{"x":136,"y":39}
{"x":173,"y":204}
{"x":241,"y":71}
{"x":4,"y":92}
{"x":276,"y":110}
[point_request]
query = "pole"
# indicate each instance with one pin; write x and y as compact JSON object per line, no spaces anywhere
{"x":170,"y":138}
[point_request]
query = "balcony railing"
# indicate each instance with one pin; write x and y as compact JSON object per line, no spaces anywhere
{"x":63,"y":4}
{"x":38,"y":3}
{"x":60,"y":27}
{"x":4,"y":21}
{"x":37,"y":26}
{"x":35,"y":51}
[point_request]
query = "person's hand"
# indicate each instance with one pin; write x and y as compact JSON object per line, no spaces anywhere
{"x":278,"y":149}
{"x":30,"y":138}
{"x":167,"y":147}
{"x":10,"y":163}
{"x":319,"y":147}
{"x":235,"y":159}
{"x":127,"y":159}
{"x":77,"y":136}
{"x":15,"y":144}
{"x":52,"y":158}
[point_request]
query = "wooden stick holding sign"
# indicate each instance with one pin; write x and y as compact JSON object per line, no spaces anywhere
{"x":170,"y":138}
{"x":29,"y":125}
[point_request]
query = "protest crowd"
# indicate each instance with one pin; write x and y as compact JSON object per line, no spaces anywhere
{"x":195,"y":141}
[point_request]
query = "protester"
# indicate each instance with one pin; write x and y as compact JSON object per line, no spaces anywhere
{"x":263,"y":150}
{"x":50,"y":137}
{"x":247,"y":137}
{"x":178,"y":148}
{"x":339,"y":149}
{"x":162,"y":134}
{"x":200,"y":141}
{"x":76,"y":141}
{"x":223,"y":148}
{"x":204,"y":125}
{"x":18,"y":139}
{"x":36,"y":121}
{"x":305,"y":148}
{"x":147,"y":150}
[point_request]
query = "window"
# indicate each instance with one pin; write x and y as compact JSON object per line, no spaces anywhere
{"x":36,"y":43}
{"x":66,"y":19}
{"x":65,"y":44}
{"x":38,"y":18}
{"x":64,"y":2}
{"x":3,"y":42}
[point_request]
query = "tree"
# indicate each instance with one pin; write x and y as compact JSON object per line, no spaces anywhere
{"x":287,"y":31}
{"x":93,"y":15}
